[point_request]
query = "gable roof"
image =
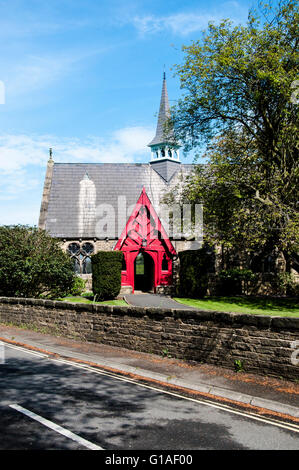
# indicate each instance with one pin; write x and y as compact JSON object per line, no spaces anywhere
{"x":144,"y":224}
{"x":80,"y":192}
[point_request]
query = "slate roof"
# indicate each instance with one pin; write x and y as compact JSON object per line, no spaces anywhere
{"x":164,"y":114}
{"x":166,"y":168}
{"x":80,"y":191}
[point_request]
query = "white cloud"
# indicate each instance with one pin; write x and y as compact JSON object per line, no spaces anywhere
{"x":24,"y":215}
{"x":122,"y":146}
{"x":179,"y":24}
{"x":18,"y":151}
{"x":134,"y":139}
{"x":16,"y":183}
{"x":23,"y":158}
{"x":185,"y":23}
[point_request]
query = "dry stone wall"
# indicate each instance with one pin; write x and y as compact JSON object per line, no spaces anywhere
{"x":265,"y":345}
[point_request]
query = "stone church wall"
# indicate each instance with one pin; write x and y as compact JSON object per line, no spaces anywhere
{"x":109,"y":245}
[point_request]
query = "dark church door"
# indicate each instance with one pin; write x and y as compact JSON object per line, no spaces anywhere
{"x":144,"y":272}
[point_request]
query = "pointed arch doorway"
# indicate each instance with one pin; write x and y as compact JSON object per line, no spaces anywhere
{"x":145,"y":234}
{"x":144,"y":272}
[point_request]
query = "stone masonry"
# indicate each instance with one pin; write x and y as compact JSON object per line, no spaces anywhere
{"x":264,"y":345}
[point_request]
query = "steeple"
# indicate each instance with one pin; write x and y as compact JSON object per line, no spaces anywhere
{"x":163,"y":145}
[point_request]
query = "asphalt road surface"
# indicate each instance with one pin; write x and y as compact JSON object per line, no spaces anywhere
{"x":52,"y":404}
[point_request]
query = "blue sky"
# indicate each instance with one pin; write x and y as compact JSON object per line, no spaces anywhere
{"x":84,"y":77}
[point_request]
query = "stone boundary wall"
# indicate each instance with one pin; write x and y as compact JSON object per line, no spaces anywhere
{"x":265,"y":345}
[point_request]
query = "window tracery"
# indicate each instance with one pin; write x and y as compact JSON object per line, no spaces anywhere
{"x":80,"y":256}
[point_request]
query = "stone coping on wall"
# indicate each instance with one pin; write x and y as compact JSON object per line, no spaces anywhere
{"x":232,"y":318}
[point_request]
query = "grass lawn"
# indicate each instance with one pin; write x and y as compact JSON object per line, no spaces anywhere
{"x":88,"y":299}
{"x":254,"y":305}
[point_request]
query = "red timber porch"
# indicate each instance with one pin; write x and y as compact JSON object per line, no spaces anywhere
{"x":148,"y":252}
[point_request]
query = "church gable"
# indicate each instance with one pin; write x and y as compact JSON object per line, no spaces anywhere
{"x":91,"y":204}
{"x":144,"y":229}
{"x":146,"y":246}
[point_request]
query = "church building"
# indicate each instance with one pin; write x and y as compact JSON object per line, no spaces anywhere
{"x":117,"y":206}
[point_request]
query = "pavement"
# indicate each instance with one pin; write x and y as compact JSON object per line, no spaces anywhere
{"x":154,"y":300}
{"x":258,"y":394}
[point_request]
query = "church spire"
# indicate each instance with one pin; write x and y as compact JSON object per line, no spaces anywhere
{"x":163,"y":144}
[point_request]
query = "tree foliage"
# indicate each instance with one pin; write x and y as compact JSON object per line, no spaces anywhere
{"x":240,"y":100}
{"x":32,"y":264}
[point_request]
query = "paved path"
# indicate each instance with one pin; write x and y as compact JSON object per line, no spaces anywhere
{"x":155,"y":300}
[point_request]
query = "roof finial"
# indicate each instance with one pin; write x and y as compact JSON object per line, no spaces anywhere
{"x":164,"y":73}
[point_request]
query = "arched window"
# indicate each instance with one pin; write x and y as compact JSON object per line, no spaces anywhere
{"x":164,"y":263}
{"x":170,"y":153}
{"x":87,"y":248}
{"x":80,"y":256}
{"x":74,"y":249}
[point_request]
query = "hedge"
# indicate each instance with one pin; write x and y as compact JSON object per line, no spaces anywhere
{"x":193,"y":274}
{"x":106,"y":274}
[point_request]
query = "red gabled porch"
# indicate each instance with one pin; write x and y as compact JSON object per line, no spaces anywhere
{"x":146,"y":248}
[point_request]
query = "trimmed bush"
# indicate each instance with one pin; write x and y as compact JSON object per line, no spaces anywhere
{"x":193,"y":275}
{"x":106,"y":274}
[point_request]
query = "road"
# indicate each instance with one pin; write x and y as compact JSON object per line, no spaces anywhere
{"x":49,"y":404}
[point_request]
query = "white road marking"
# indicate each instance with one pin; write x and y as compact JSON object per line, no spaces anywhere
{"x":29,"y":351}
{"x":56,"y":427}
{"x":223,"y":407}
{"x":289,"y":426}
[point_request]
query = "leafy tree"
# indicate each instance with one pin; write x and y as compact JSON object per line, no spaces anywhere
{"x":240,"y":99}
{"x":32,"y":264}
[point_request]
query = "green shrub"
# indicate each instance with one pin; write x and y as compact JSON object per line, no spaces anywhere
{"x":78,"y":286}
{"x":285,"y":284}
{"x":235,"y":281}
{"x":193,"y":273}
{"x":106,"y":274}
{"x":32,"y":264}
